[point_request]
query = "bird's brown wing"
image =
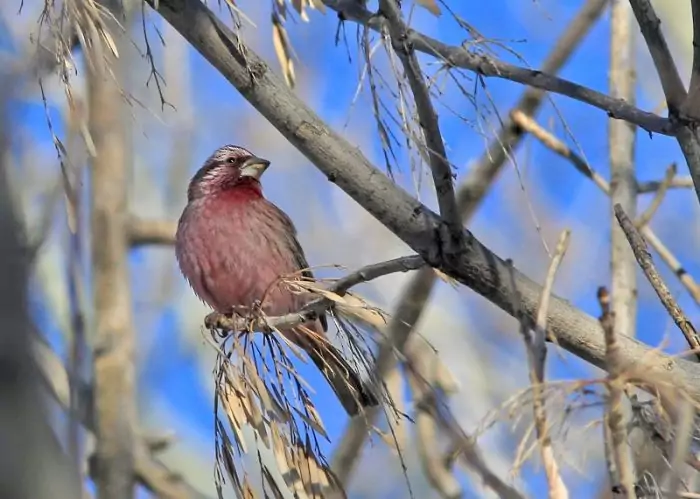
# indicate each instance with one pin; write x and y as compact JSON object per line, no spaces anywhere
{"x":298,"y":252}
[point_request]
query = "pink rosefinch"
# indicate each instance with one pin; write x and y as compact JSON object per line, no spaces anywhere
{"x":233,"y":246}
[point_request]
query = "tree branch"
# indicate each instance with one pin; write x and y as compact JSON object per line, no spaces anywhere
{"x":646,"y":263}
{"x":113,"y":354}
{"x":673,"y":87}
{"x":536,"y":346}
{"x":691,"y":105}
{"x":650,"y":24}
{"x":428,"y":120}
{"x":623,"y":190}
{"x":146,"y":232}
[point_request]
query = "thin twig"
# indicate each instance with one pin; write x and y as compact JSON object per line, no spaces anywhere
{"x":577,"y":162}
{"x":644,"y":259}
{"x":428,"y":120}
{"x":649,"y":213}
{"x":536,"y":345}
{"x":491,"y":67}
{"x":614,"y":416}
{"x":655,"y":185}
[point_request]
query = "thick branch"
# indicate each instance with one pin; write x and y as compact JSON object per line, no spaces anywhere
{"x":477,"y":267}
{"x":113,"y":357}
{"x":650,"y":24}
{"x":623,"y":190}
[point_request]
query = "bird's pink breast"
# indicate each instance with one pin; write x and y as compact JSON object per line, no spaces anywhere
{"x":231,"y":250}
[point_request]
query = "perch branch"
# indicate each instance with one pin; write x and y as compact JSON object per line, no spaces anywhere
{"x":311,"y":310}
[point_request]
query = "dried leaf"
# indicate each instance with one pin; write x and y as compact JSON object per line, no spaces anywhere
{"x":431,"y":6}
{"x":283,"y":52}
{"x":314,"y":421}
{"x":441,"y":275}
{"x":318,"y":5}
{"x":299,"y":6}
{"x":107,"y":37}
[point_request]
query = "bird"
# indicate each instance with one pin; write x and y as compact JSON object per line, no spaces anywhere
{"x":233,"y":245}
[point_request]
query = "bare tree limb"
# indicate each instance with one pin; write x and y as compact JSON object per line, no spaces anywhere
{"x":436,"y":470}
{"x":623,"y":191}
{"x":691,"y":105}
{"x":150,"y":472}
{"x":646,"y":263}
{"x":473,"y":189}
{"x":655,"y":185}
{"x":113,"y":355}
{"x":621,"y":464}
{"x":649,"y":23}
{"x":428,"y":119}
{"x":671,"y":82}
{"x":681,"y":446}
{"x":33,"y":462}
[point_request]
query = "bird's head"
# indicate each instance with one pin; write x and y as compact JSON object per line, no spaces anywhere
{"x":229,"y":167}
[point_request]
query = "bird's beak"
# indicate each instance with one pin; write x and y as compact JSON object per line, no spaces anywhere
{"x":254,"y":167}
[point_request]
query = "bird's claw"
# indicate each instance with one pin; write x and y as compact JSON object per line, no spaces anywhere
{"x":211,"y":321}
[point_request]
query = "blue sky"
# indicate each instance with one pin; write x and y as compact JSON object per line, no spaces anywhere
{"x":173,"y":370}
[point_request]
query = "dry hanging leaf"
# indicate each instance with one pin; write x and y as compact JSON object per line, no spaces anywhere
{"x":282,"y":50}
{"x":430,"y":5}
{"x":299,"y":6}
{"x":318,"y":5}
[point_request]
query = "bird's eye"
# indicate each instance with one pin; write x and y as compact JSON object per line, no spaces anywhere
{"x":230,"y":160}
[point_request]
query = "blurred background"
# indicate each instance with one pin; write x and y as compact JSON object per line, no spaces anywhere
{"x":174,"y":119}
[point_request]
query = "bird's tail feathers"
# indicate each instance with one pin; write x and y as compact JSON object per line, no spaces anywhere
{"x":350,"y":389}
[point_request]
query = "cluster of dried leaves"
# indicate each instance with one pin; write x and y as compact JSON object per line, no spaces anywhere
{"x":258,"y":387}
